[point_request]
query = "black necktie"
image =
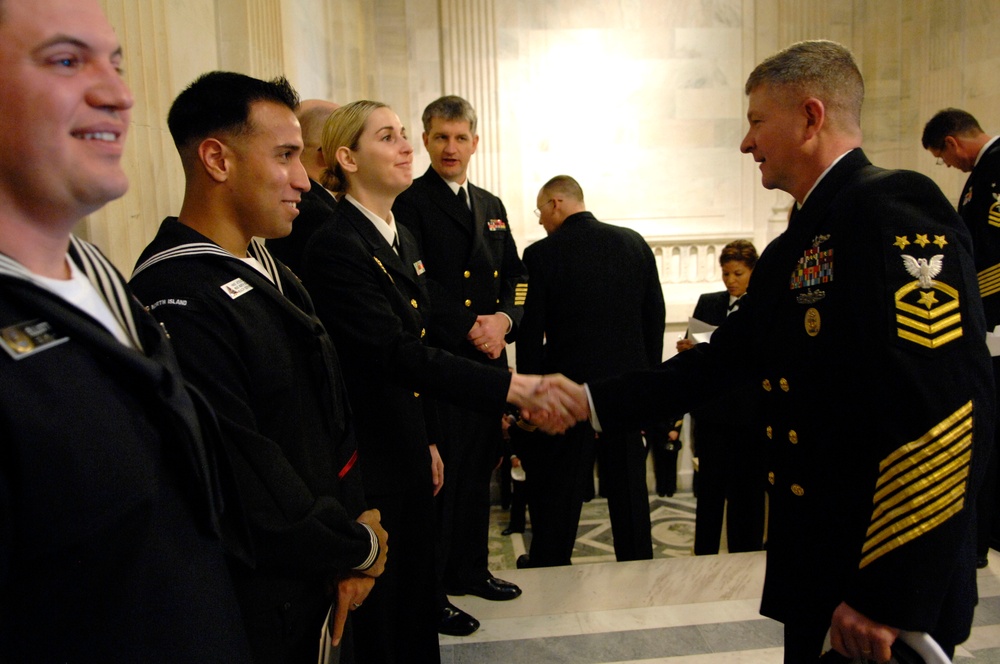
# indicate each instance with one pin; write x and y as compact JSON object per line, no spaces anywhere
{"x":464,"y":197}
{"x":395,"y":244}
{"x":734,"y":306}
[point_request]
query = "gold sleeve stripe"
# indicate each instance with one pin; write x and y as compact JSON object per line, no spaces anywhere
{"x":930,"y":343}
{"x":921,"y":485}
{"x":932,"y":328}
{"x":879,"y":536}
{"x":949,"y":478}
{"x":520,"y":294}
{"x":925,"y":313}
{"x":989,"y":281}
{"x":921,"y":479}
{"x":923,"y":457}
{"x":923,"y":528}
{"x":935,"y":432}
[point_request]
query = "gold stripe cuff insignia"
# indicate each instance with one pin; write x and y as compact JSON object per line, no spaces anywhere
{"x":920,"y":486}
{"x":989,"y":281}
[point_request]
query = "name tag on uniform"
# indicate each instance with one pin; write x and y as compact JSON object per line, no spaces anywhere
{"x":419,"y":267}
{"x":496,"y":225}
{"x":236,"y":288}
{"x":29,"y":337}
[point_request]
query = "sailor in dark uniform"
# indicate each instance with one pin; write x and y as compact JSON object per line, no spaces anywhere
{"x":865,"y":333}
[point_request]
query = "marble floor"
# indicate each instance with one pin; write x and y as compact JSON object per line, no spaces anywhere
{"x":674,"y":609}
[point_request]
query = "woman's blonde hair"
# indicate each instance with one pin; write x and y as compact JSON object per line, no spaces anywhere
{"x":343,"y":129}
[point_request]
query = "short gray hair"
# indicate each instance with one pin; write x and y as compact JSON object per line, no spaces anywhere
{"x":822,"y":69}
{"x":450,"y":108}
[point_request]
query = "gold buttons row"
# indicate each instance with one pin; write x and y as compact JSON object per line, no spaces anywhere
{"x":467,"y":274}
{"x":783,"y":384}
{"x":793,"y":437}
{"x":795,"y":488}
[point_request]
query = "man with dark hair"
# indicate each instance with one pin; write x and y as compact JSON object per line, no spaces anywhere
{"x":955,"y":139}
{"x":595,"y":310}
{"x":477,"y":286}
{"x":863,"y":327}
{"x":109,"y":509}
{"x":316,"y":206}
{"x":247,"y":336}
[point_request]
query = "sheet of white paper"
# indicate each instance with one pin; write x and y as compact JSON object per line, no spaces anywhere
{"x":699,"y":331}
{"x":993,"y":341}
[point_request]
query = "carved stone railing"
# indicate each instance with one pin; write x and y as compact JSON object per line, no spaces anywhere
{"x":689,"y":260}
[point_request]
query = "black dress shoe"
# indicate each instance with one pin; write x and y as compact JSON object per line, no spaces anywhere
{"x":456,"y":622}
{"x":510,"y":530}
{"x":523,"y":561}
{"x":982,"y":561}
{"x":490,"y":588}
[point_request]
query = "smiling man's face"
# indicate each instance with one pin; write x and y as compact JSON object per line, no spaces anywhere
{"x":64,"y":110}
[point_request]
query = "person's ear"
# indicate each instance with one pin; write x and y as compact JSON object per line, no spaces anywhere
{"x":215,"y":158}
{"x":345,"y":157}
{"x":815,"y":114}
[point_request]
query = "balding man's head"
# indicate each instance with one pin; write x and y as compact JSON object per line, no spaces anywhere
{"x":312,"y":114}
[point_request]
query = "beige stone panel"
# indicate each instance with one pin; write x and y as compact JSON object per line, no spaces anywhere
{"x":156,"y":38}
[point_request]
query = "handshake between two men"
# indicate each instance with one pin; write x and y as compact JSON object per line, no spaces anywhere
{"x":553,"y":402}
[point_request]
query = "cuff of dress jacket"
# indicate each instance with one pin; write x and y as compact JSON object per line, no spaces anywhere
{"x":373,"y":554}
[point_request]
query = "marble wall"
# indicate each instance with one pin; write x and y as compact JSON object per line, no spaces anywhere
{"x":640,"y":100}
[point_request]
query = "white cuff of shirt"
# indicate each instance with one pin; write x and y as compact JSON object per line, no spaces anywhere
{"x":510,"y":323}
{"x":595,"y":423}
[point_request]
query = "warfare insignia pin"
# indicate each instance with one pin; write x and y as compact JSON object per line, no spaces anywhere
{"x":810,"y":296}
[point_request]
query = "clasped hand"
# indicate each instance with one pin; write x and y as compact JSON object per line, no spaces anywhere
{"x":488,"y":334}
{"x":554,"y":403}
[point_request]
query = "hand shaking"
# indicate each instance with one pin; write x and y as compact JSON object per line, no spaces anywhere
{"x":554,"y":403}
